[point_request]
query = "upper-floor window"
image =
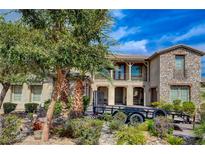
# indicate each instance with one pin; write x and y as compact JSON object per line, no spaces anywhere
{"x":36,"y":91}
{"x":119,"y":72}
{"x":136,"y":71}
{"x":180,"y":62}
{"x":16,"y":93}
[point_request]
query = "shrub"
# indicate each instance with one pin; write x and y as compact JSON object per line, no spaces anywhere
{"x":9,"y":107}
{"x":57,"y":109}
{"x":200,"y":130}
{"x":189,"y":107}
{"x":107,"y":117}
{"x":173,"y":140}
{"x":86,"y":131}
{"x":131,"y":136}
{"x":202,"y":111}
{"x":143,"y":126}
{"x":86,"y":102}
{"x":167,"y":107}
{"x":10,"y":129}
{"x":177,"y":105}
{"x":155,"y":104}
{"x":150,"y":125}
{"x":162,"y":127}
{"x":115,"y":125}
{"x":31,"y":107}
{"x":120,"y":116}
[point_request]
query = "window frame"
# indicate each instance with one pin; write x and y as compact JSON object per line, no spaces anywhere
{"x":13,"y":93}
{"x":32,"y":93}
{"x":117,"y":74}
{"x":179,"y":89}
{"x":140,"y":70}
{"x":179,"y":69}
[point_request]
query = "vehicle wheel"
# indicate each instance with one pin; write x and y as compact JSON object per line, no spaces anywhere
{"x":136,"y":119}
{"x":120,"y":116}
{"x":159,"y":113}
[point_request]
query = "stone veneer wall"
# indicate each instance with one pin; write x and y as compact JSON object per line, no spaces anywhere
{"x":193,"y":71}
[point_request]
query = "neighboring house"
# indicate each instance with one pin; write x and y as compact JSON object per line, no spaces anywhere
{"x":169,"y":74}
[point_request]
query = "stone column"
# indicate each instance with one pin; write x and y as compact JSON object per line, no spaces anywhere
{"x":111,"y":95}
{"x":144,"y":97}
{"x":130,"y":72}
{"x":92,"y":89}
{"x":111,"y":74}
{"x":129,"y":95}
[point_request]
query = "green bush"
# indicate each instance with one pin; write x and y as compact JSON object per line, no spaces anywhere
{"x":177,"y":105}
{"x":162,"y":127}
{"x":200,"y":130}
{"x":121,"y":116}
{"x":10,"y":129}
{"x":145,"y":126}
{"x":115,"y":125}
{"x":57,"y":109}
{"x":86,"y":102}
{"x":31,"y":107}
{"x":202,"y":111}
{"x":173,"y":140}
{"x":189,"y":107}
{"x":9,"y":107}
{"x":107,"y":117}
{"x":156,"y":104}
{"x":130,"y":135}
{"x":167,"y":107}
{"x":86,"y":131}
{"x":150,"y":125}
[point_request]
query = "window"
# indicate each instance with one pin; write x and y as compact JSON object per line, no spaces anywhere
{"x":180,"y":92}
{"x":136,"y":71}
{"x":120,"y":72}
{"x":179,"y":62}
{"x":16,"y":93}
{"x":36,"y":93}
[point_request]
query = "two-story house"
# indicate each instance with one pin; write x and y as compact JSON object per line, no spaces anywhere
{"x":169,"y":74}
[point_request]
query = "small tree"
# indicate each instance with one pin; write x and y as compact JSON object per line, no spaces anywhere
{"x":17,"y":55}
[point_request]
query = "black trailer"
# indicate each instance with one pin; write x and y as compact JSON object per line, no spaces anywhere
{"x":138,"y":114}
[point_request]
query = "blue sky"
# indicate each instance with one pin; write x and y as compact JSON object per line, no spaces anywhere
{"x":146,"y":31}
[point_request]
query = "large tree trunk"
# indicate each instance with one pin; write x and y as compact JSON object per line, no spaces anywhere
{"x":55,"y":96}
{"x":77,"y":106}
{"x":3,"y":92}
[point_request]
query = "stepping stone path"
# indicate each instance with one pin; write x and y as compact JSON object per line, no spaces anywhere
{"x":106,"y":137}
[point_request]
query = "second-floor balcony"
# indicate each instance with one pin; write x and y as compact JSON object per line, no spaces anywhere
{"x":122,"y":71}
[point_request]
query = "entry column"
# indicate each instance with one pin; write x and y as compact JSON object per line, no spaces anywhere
{"x":111,"y":95}
{"x":129,"y":95}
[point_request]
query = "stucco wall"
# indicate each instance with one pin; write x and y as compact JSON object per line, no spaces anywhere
{"x":26,"y":94}
{"x":192,"y":78}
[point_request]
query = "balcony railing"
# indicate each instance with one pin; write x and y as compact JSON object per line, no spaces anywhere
{"x":122,"y":77}
{"x":180,"y":74}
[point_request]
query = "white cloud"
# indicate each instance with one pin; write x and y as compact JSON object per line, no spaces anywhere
{"x":194,"y":31}
{"x":118,"y":14}
{"x":131,"y":47}
{"x":122,"y":32}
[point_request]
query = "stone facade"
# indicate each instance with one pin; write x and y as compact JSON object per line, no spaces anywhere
{"x":192,"y":73}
